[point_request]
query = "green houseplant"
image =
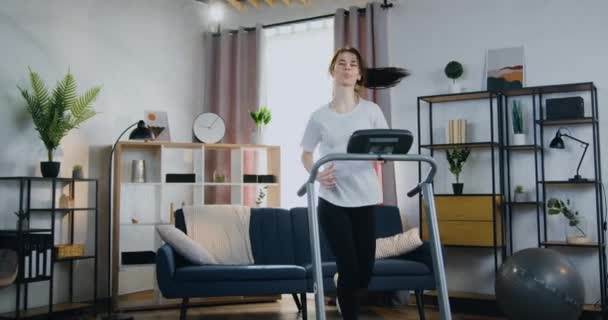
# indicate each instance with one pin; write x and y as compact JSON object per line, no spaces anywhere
{"x":456,"y":159}
{"x":519,"y":138}
{"x":454,"y":70}
{"x":55,"y":114}
{"x":575,"y":228}
{"x":519,"y":194}
{"x":77,"y":172}
{"x":262,"y":118}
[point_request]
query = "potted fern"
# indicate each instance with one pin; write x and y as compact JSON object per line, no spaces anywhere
{"x":519,"y":138}
{"x":55,"y":114}
{"x":262,"y":118}
{"x":456,"y":160}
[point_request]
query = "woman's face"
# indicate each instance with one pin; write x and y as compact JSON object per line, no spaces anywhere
{"x":346,"y":71}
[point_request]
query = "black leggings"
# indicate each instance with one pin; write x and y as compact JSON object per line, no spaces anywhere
{"x":351,"y":236}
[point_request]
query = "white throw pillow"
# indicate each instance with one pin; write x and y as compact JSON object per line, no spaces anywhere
{"x":398,"y":244}
{"x":184,"y":245}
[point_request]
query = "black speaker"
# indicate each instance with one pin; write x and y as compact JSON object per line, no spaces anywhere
{"x":181,"y":177}
{"x":138,"y":257}
{"x":565,"y":108}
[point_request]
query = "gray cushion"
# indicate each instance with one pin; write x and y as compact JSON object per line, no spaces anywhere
{"x":398,"y":244}
{"x":185,"y":246}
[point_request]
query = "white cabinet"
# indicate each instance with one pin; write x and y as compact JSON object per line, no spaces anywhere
{"x":222,"y":174}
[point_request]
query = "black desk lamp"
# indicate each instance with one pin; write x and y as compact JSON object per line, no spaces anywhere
{"x":142,"y":132}
{"x":558,"y":143}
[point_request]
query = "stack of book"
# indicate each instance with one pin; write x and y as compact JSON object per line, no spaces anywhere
{"x":457,"y":131}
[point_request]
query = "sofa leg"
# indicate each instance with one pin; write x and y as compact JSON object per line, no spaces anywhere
{"x":297,"y":301}
{"x":420,"y":303}
{"x":183,"y":309}
{"x":304,"y":306}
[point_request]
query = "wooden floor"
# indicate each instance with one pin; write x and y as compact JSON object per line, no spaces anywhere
{"x":285,"y":309}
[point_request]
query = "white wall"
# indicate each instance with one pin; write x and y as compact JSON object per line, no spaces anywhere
{"x":147,"y":55}
{"x":563,"y":43}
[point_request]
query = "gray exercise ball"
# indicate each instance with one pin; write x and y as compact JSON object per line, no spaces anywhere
{"x":539,"y":283}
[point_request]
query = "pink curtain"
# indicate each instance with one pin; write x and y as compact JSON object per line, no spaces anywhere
{"x":232,"y":80}
{"x":367,"y":32}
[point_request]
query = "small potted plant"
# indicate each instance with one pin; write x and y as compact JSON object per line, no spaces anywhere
{"x":454,"y":70}
{"x":520,"y":195}
{"x":519,"y":138}
{"x":77,"y":172}
{"x":456,"y":159}
{"x":576,"y":226}
{"x":262,"y":118}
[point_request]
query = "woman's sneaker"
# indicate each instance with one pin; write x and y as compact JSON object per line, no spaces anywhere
{"x":336,"y":284}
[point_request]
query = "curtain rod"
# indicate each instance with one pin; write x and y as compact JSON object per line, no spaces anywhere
{"x":384,"y":5}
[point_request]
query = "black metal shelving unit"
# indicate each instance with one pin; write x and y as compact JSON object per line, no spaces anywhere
{"x":502,"y":146}
{"x":542,"y":183}
{"x":23,"y":238}
{"x":493,"y":144}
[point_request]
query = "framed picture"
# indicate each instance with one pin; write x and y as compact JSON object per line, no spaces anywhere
{"x":505,"y":69}
{"x":158,"y":122}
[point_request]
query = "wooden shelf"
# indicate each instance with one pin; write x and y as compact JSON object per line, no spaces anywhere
{"x":565,"y":244}
{"x":61,"y":209}
{"x":524,"y":203}
{"x":36,"y":279}
{"x":477,"y":95}
{"x":466,"y":195}
{"x":159,"y":198}
{"x":448,"y":146}
{"x":26,"y":231}
{"x":566,"y":182}
{"x":498,"y":246}
{"x":74,"y":258}
{"x":59,"y":179}
{"x":33,"y":312}
{"x":585,"y":120}
{"x":192,"y":145}
{"x":559,"y":88}
{"x":527,"y":147}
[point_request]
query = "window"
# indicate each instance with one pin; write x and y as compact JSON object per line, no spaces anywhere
{"x":295,"y":82}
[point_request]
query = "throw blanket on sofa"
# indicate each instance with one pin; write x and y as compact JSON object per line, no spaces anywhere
{"x":221,"y":229}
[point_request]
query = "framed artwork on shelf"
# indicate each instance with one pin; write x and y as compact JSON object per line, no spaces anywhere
{"x":158,"y":122}
{"x":505,"y":69}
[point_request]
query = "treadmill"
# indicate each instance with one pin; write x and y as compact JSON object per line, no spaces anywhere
{"x":378,"y":145}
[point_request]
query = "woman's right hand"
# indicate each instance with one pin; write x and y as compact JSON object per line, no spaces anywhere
{"x":326,"y":177}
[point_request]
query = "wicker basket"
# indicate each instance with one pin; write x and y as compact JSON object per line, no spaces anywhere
{"x":69,"y":250}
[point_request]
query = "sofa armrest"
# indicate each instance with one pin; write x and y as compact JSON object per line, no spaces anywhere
{"x":165,"y":266}
{"x":422,"y":254}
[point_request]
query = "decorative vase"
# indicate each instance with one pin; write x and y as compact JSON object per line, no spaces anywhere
{"x":457,"y":188}
{"x":520,"y":197}
{"x":77,"y":174}
{"x":259,"y":135}
{"x":519,"y":139}
{"x":577,"y":234}
{"x":138,"y":171}
{"x":454,"y":87}
{"x":50,"y":169}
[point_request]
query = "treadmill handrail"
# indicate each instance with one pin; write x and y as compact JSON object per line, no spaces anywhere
{"x":375,"y":157}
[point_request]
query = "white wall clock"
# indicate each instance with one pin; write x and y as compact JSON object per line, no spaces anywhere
{"x":209,"y":127}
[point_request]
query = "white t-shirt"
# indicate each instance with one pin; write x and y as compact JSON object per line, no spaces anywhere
{"x":356,"y":181}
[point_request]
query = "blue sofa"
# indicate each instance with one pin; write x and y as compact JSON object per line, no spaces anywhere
{"x":281,"y":250}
